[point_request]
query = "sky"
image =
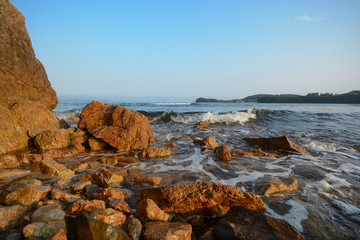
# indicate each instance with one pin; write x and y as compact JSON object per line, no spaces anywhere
{"x":196,"y":48}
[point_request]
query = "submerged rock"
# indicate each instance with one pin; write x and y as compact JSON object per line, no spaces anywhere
{"x":274,"y":186}
{"x":167,"y":231}
{"x":201,"y":198}
{"x":121,"y":128}
{"x":241,"y":223}
{"x":155,"y":152}
{"x":222,"y":153}
{"x":253,"y":152}
{"x":277,"y":143}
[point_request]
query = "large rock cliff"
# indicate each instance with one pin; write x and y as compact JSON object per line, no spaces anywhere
{"x":26,"y":95}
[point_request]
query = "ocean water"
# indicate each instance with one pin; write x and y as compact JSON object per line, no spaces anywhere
{"x":327,"y":202}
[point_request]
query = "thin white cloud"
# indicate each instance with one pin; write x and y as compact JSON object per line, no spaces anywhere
{"x":307,"y":18}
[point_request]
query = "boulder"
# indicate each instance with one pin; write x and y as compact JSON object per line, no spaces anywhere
{"x":53,"y":138}
{"x":84,"y":227}
{"x":109,"y":216}
{"x":121,"y":128}
{"x":105,"y":178}
{"x":277,"y":143}
{"x":133,"y":227}
{"x":253,"y":152}
{"x":42,"y":230}
{"x":9,"y":216}
{"x":222,"y":153}
{"x":201,"y":198}
{"x":53,"y":169}
{"x":147,"y":210}
{"x":209,"y":142}
{"x":167,"y":231}
{"x":242,"y":223}
{"x":96,"y":144}
{"x":48,"y":213}
{"x":86,"y":207}
{"x":27,"y":195}
{"x":274,"y":186}
{"x":26,"y":95}
{"x":79,"y":137}
{"x":155,"y":152}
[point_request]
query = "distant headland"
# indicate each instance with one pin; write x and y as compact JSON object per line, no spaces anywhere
{"x":352,"y":97}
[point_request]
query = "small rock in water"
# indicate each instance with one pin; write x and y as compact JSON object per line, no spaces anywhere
{"x":202,"y":124}
{"x":209,"y":142}
{"x":222,"y":153}
{"x":253,"y":152}
{"x":171,"y":145}
{"x":274,"y":186}
{"x":154,"y":152}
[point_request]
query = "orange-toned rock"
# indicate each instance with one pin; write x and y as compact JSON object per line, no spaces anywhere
{"x":274,"y":186}
{"x":105,"y":178}
{"x":147,"y":210}
{"x":96,"y":144}
{"x":27,"y":195}
{"x":171,"y":145}
{"x":109,"y":216}
{"x":53,"y":168}
{"x":86,"y":207}
{"x":222,"y":153}
{"x":54,"y":138}
{"x":58,"y":235}
{"x":119,"y":127}
{"x":9,"y":161}
{"x":133,"y":227}
{"x":42,"y":230}
{"x":202,"y":124}
{"x":253,"y":152}
{"x":79,"y":186}
{"x":167,"y":231}
{"x":162,"y":131}
{"x":12,"y":172}
{"x":57,"y":194}
{"x":48,"y":213}
{"x":119,"y":205}
{"x":79,"y":137}
{"x":201,"y":198}
{"x":209,"y":142}
{"x":150,"y":180}
{"x":106,"y":193}
{"x":75,"y":120}
{"x":154,"y":152}
{"x":9,"y":216}
{"x":277,"y":143}
{"x":179,"y":130}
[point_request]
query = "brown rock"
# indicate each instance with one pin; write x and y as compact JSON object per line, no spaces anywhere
{"x":167,"y":231}
{"x":120,"y":127}
{"x":179,"y":130}
{"x":48,"y":213}
{"x":9,"y":216}
{"x":202,"y":124}
{"x":274,"y":186}
{"x":53,"y":168}
{"x":162,"y":131}
{"x":201,"y":198}
{"x":119,"y":205}
{"x":86,"y":207}
{"x":13,"y":173}
{"x":42,"y":230}
{"x":79,"y":137}
{"x":109,"y":216}
{"x":209,"y":142}
{"x":154,"y":152}
{"x":79,"y":186}
{"x":147,"y":210}
{"x":27,"y":195}
{"x":133,"y":227}
{"x":57,"y":194}
{"x":96,"y":144}
{"x":106,"y":193}
{"x":171,"y":145}
{"x":54,"y":138}
{"x":58,"y":235}
{"x":253,"y":152}
{"x":9,"y":161}
{"x":277,"y":143}
{"x":105,"y":178}
{"x":75,"y":120}
{"x":149,"y":180}
{"x":242,"y":223}
{"x":109,"y":161}
{"x":222,"y":153}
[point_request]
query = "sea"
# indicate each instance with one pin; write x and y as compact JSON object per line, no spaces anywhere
{"x":327,"y":202}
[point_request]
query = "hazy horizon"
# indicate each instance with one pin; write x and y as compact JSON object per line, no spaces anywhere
{"x":188,"y":49}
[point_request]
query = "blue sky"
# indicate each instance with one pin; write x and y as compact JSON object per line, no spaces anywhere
{"x":196,"y":48}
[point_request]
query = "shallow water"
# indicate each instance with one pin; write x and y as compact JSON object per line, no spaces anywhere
{"x":327,"y":202}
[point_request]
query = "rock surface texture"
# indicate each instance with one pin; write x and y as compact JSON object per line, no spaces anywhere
{"x":26,"y":95}
{"x":121,"y":128}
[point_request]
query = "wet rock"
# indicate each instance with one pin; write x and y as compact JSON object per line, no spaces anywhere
{"x":109,"y":161}
{"x":209,"y":142}
{"x":201,"y":198}
{"x":222,"y":153}
{"x":242,"y":223}
{"x":202,"y":124}
{"x":96,"y":144}
{"x":78,"y":187}
{"x":9,"y":216}
{"x":149,"y":180}
{"x":86,"y":207}
{"x":9,"y":161}
{"x":105,"y":178}
{"x":147,"y":210}
{"x":57,"y":194}
{"x":133,"y":227}
{"x":90,"y":190}
{"x":64,"y":124}
{"x":277,"y":143}
{"x":13,"y":173}
{"x":106,"y":193}
{"x":179,"y":130}
{"x":154,"y":152}
{"x":162,"y":131}
{"x":53,"y":169}
{"x":274,"y":186}
{"x":48,"y":213}
{"x":54,"y":138}
{"x":20,"y":182}
{"x":253,"y":152}
{"x":172,"y":145}
{"x":27,"y":195}
{"x":79,"y":137}
{"x":167,"y":231}
{"x":121,"y":128}
{"x":58,"y":235}
{"x":109,"y":216}
{"x":119,"y":205}
{"x":42,"y":230}
{"x":84,"y":227}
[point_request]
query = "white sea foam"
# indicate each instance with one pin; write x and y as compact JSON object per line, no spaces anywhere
{"x":346,"y":208}
{"x":171,"y":104}
{"x":320,"y":146}
{"x":348,"y":168}
{"x":69,"y":114}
